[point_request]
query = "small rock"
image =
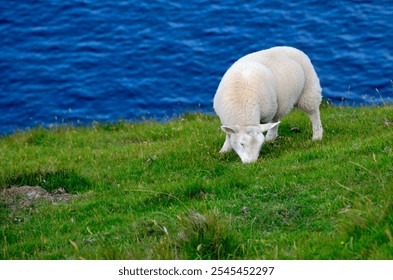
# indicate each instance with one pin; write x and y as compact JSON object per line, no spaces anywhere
{"x":295,"y":129}
{"x":388,"y":123}
{"x":244,"y":210}
{"x":150,"y":160}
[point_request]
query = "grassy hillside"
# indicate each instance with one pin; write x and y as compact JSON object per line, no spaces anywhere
{"x":161,"y":191}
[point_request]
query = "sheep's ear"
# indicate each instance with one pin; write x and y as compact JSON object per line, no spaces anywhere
{"x":232,"y":129}
{"x":267,"y":126}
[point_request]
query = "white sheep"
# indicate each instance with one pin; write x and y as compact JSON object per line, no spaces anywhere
{"x":262,"y":87}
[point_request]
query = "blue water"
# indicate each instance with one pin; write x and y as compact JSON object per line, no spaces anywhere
{"x":79,"y":61}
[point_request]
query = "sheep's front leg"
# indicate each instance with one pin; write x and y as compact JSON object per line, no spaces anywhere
{"x":272,"y":134}
{"x":227,"y":145}
{"x":317,"y":130}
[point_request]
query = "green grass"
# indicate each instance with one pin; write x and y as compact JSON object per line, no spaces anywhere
{"x":162,"y":191}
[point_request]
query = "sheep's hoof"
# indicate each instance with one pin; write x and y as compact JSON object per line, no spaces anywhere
{"x":270,"y":139}
{"x":223,"y":151}
{"x":317,"y":137}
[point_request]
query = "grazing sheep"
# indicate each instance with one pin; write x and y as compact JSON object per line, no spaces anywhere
{"x":262,"y":87}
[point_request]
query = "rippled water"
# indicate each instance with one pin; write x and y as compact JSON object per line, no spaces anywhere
{"x":77,"y":61}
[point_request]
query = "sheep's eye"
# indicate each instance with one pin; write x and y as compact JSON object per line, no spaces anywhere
{"x":242,"y":144}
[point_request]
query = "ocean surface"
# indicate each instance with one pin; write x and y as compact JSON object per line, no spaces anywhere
{"x":79,"y":61}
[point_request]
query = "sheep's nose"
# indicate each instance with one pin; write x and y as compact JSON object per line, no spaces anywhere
{"x":248,"y":160}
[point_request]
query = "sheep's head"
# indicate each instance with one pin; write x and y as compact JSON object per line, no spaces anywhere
{"x":247,"y":140}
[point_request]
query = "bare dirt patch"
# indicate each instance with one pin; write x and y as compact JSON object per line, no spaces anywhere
{"x":17,"y":198}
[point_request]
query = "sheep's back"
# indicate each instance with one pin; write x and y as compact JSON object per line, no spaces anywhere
{"x":263,"y":86}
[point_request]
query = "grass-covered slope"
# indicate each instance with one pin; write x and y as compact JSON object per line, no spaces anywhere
{"x":162,"y":191}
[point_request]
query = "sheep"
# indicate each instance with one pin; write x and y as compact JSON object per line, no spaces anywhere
{"x":258,"y":90}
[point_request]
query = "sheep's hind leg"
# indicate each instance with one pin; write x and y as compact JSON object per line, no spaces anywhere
{"x":317,"y":130}
{"x":227,"y":146}
{"x":272,"y":134}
